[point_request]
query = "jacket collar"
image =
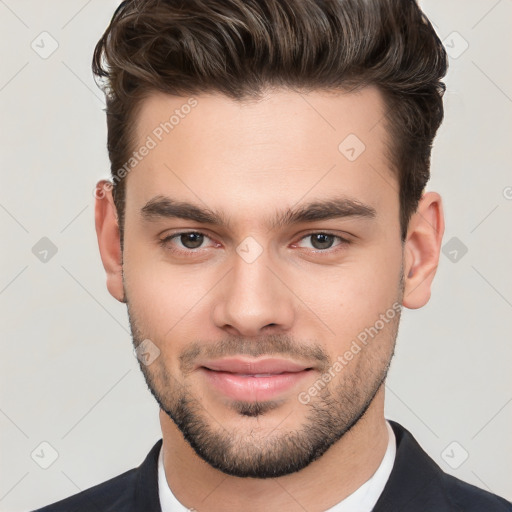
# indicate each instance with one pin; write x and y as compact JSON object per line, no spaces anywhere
{"x":414,"y":482}
{"x":146,"y":483}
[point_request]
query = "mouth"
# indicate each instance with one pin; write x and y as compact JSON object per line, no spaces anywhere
{"x":254,"y":380}
{"x":262,"y":367}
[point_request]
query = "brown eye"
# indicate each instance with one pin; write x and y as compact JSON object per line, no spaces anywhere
{"x":191,"y":240}
{"x":185,"y":242}
{"x":322,"y":240}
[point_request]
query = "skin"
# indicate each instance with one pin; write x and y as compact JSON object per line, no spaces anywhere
{"x":248,"y":160}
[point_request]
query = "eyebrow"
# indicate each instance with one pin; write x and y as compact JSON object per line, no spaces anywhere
{"x":162,"y":207}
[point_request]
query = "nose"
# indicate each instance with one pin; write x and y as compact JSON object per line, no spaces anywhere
{"x":254,"y":299}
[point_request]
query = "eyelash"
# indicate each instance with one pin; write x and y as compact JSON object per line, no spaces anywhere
{"x":190,"y":252}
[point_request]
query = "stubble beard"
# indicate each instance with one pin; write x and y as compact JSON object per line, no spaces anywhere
{"x":257,"y":453}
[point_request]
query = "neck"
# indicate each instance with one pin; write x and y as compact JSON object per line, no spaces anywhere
{"x":341,"y":470}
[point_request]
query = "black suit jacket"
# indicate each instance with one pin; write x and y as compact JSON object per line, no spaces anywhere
{"x":416,"y":484}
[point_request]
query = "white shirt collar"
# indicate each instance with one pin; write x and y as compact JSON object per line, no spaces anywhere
{"x":168,"y":502}
{"x":362,"y":499}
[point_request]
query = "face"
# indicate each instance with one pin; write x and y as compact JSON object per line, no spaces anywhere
{"x":262,"y":259}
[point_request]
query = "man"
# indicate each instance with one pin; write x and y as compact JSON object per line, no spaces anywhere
{"x":266,"y":222}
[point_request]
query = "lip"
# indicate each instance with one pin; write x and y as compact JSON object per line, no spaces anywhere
{"x":252,"y":366}
{"x":252,"y":380}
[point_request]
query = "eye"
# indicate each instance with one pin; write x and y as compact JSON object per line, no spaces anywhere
{"x":189,"y":241}
{"x":322,"y":242}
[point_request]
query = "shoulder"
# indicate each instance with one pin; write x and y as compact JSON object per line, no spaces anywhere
{"x":418,"y":484}
{"x":113,"y":494}
{"x":133,"y":490}
{"x":469,"y":498}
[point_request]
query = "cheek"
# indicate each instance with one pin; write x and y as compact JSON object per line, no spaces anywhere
{"x":170,"y":302}
{"x":162,"y":298}
{"x":351,"y":297}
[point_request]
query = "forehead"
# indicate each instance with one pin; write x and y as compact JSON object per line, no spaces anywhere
{"x":252,"y":155}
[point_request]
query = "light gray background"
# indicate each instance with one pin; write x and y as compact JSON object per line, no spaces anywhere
{"x":68,"y":373}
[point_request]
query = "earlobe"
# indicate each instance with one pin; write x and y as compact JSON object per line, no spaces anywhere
{"x":107,"y":231}
{"x":422,"y":250}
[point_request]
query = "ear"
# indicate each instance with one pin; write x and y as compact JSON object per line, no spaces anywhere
{"x":422,"y":249}
{"x":107,"y":231}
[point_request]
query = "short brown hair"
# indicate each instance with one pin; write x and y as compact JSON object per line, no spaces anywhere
{"x":241,"y":47}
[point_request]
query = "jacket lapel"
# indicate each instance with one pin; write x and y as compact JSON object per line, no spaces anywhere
{"x":415,"y":482}
{"x":146,"y":484}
